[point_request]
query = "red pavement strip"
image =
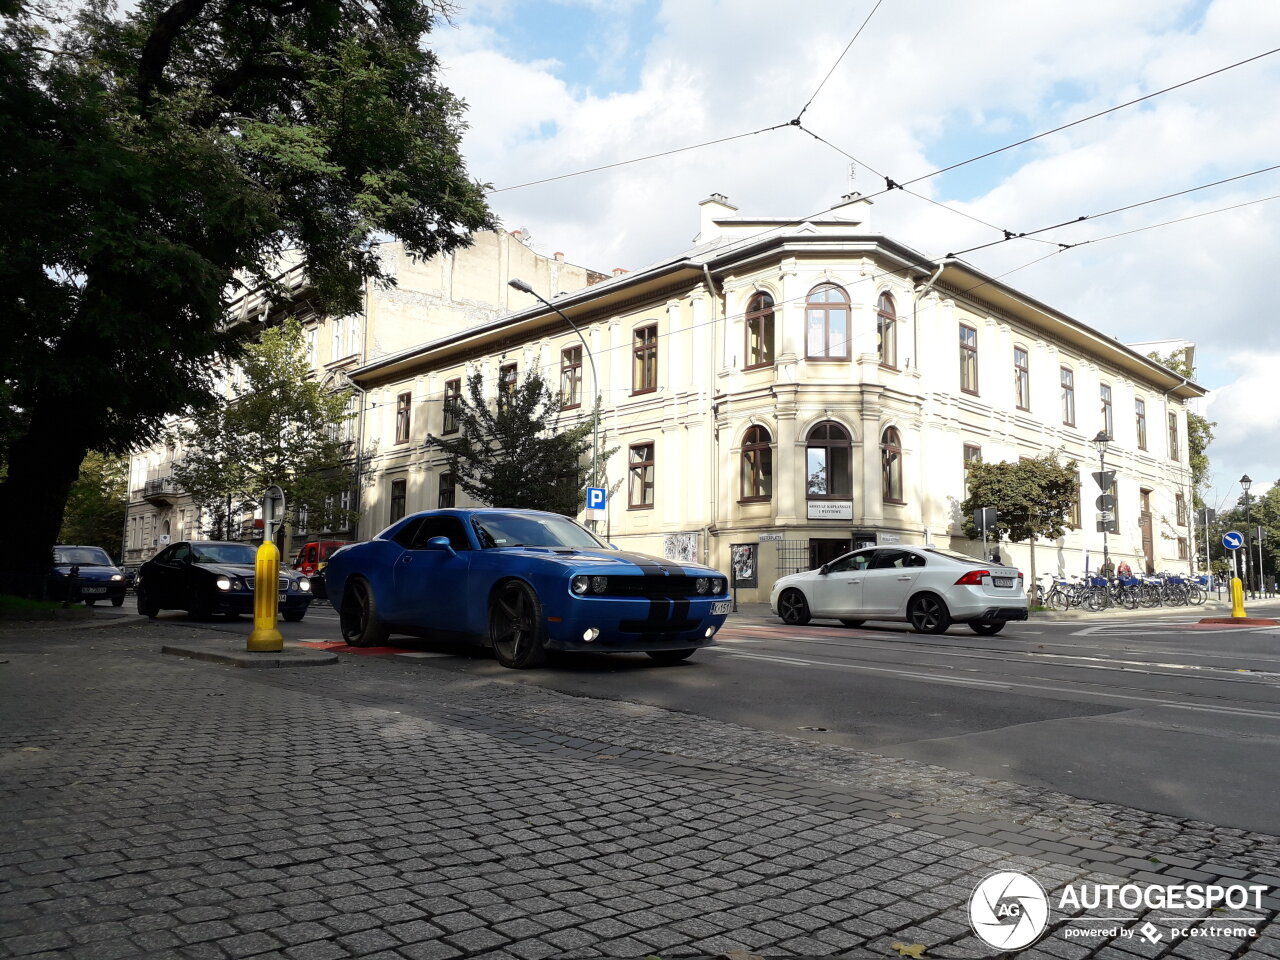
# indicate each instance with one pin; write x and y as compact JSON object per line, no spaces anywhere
{"x":339,"y":647}
{"x":1240,"y":622}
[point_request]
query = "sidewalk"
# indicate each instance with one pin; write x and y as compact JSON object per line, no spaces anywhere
{"x":163,"y":807}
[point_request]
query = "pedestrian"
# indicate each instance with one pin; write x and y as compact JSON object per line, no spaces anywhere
{"x":1124,"y":570}
{"x":995,"y":556}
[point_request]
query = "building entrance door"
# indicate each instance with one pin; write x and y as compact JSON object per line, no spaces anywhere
{"x":824,"y":551}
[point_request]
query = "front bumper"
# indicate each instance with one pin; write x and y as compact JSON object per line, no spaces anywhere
{"x":636,"y":625}
{"x":87,"y":590}
{"x":242,"y":603}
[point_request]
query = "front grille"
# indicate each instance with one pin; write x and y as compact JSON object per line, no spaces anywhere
{"x":284,"y":583}
{"x":652,"y":587}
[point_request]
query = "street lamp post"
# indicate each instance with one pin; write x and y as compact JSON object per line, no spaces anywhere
{"x":1100,"y":443}
{"x":523,"y":287}
{"x":1245,"y":484}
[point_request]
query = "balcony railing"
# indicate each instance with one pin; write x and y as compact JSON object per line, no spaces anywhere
{"x":162,"y":490}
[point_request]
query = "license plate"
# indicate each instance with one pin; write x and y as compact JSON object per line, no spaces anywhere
{"x":720,"y":606}
{"x":1002,"y":581}
{"x":93,"y":589}
{"x":284,"y":597}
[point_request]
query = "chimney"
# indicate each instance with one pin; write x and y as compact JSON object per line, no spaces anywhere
{"x":620,"y":271}
{"x":853,"y":207}
{"x":559,"y":256}
{"x":716,"y":206}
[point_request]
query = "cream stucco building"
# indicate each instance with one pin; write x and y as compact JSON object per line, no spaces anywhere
{"x":794,"y":388}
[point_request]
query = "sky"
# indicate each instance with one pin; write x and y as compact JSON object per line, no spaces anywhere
{"x":900,"y":89}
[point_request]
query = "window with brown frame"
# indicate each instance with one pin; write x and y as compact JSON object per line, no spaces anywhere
{"x":891,"y":465}
{"x":1140,"y":419}
{"x":968,"y":359}
{"x":759,"y":328}
{"x":506,"y":383}
{"x":1068,"y":397}
{"x":404,"y":403}
{"x":644,"y":360}
{"x":1173,"y":436}
{"x":1184,"y":552}
{"x":1180,"y":509}
{"x":1074,"y":520}
{"x":570,"y":378}
{"x":827,"y":323}
{"x":640,"y":479}
{"x":1022,"y":378}
{"x":887,"y":331}
{"x":398,"y":491}
{"x":1108,"y":419}
{"x":828,"y":463}
{"x":972,"y":455}
{"x":447,"y":490}
{"x":757,"y":465}
{"x":452,"y":397}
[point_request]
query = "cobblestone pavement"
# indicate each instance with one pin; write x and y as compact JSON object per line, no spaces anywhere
{"x":156,"y":806}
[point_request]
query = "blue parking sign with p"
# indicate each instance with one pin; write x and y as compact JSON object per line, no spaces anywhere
{"x":596,"y":497}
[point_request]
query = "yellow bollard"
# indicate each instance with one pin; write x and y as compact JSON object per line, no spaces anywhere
{"x":1237,"y":598}
{"x":266,"y":600}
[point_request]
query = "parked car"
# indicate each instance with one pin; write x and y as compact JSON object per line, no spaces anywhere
{"x":312,"y":556}
{"x":205,"y":577}
{"x":522,"y":582}
{"x":96,"y":576}
{"x":928,"y":587}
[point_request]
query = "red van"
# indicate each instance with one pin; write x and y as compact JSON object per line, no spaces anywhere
{"x":314,"y":555}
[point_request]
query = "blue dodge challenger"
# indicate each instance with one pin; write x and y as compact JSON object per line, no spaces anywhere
{"x":522,"y":582}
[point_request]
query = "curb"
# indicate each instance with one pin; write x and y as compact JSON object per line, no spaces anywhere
{"x":221,"y":652}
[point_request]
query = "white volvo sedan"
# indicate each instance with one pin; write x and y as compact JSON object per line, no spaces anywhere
{"x":928,"y":587}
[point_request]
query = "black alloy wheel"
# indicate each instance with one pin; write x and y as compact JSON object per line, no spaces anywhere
{"x":793,"y":608}
{"x":670,"y":656}
{"x":359,"y":617}
{"x":516,"y":630}
{"x":928,"y":614}
{"x":986,"y":628}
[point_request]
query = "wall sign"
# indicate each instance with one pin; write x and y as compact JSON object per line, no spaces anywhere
{"x":830,"y":509}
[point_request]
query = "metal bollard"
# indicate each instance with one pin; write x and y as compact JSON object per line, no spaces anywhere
{"x":266,"y":637}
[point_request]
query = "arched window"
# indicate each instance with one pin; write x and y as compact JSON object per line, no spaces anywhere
{"x":828,"y":463}
{"x":759,"y":331}
{"x":891,"y":465}
{"x":827,"y":323}
{"x":887,"y":331}
{"x":757,"y":464}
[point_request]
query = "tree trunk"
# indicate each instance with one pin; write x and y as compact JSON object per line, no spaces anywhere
{"x":43,"y":464}
{"x":1034,"y":581}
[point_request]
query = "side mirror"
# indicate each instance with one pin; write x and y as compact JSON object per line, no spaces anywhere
{"x":823,"y":570}
{"x":441,"y":543}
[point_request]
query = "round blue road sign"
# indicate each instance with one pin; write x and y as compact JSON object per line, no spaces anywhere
{"x":1233,"y":540}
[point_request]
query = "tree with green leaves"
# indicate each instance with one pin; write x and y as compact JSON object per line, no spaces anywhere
{"x":160,"y":158}
{"x":284,"y":428}
{"x":1033,"y":498}
{"x":97,"y":504}
{"x":1199,"y":429}
{"x":513,"y":452}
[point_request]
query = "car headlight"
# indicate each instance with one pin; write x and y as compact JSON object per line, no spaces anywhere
{"x":720,"y":585}
{"x":599,"y":584}
{"x":304,"y":586}
{"x":580,"y":584}
{"x":223,"y":583}
{"x":702,"y":584}
{"x":117,"y":576}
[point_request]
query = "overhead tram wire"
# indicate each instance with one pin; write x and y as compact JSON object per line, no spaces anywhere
{"x":894,"y":185}
{"x":1107,"y":213}
{"x":843,"y":53}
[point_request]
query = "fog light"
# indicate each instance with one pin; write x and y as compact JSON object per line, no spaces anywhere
{"x":579,"y":585}
{"x":590,"y":634}
{"x":599,"y":584}
{"x":711,"y":632}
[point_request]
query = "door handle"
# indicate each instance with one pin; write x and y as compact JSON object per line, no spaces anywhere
{"x":905,"y":579}
{"x":406,"y":559}
{"x":853,"y":581}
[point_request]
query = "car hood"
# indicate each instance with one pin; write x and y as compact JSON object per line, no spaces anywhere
{"x":87,"y":571}
{"x":608,"y":561}
{"x":245,"y":570}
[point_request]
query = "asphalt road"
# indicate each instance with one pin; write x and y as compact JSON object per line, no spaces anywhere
{"x":1159,"y":713}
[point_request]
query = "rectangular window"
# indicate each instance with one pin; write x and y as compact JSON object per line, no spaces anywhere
{"x":1173,"y":437}
{"x":1183,"y":552}
{"x":452,"y":397}
{"x":403,"y":409}
{"x":353,"y":335}
{"x":968,"y":359}
{"x":1108,"y":420}
{"x":1068,"y":397}
{"x":312,"y":344}
{"x":446,"y":490}
{"x":1074,"y":520}
{"x":640,"y":480}
{"x":759,"y":327}
{"x":972,"y":454}
{"x":398,"y":489}
{"x":570,"y":378}
{"x":1140,"y":416}
{"x":506,"y":383}
{"x":335,"y":346}
{"x":1180,"y":509}
{"x":644,"y":369}
{"x":1022,"y":378}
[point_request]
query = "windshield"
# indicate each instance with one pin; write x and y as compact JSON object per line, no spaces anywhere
{"x":241,"y":553}
{"x":962,"y":557}
{"x":84,"y":556}
{"x":531,"y":530}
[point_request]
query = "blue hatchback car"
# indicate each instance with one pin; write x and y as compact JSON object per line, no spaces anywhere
{"x":522,"y":582}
